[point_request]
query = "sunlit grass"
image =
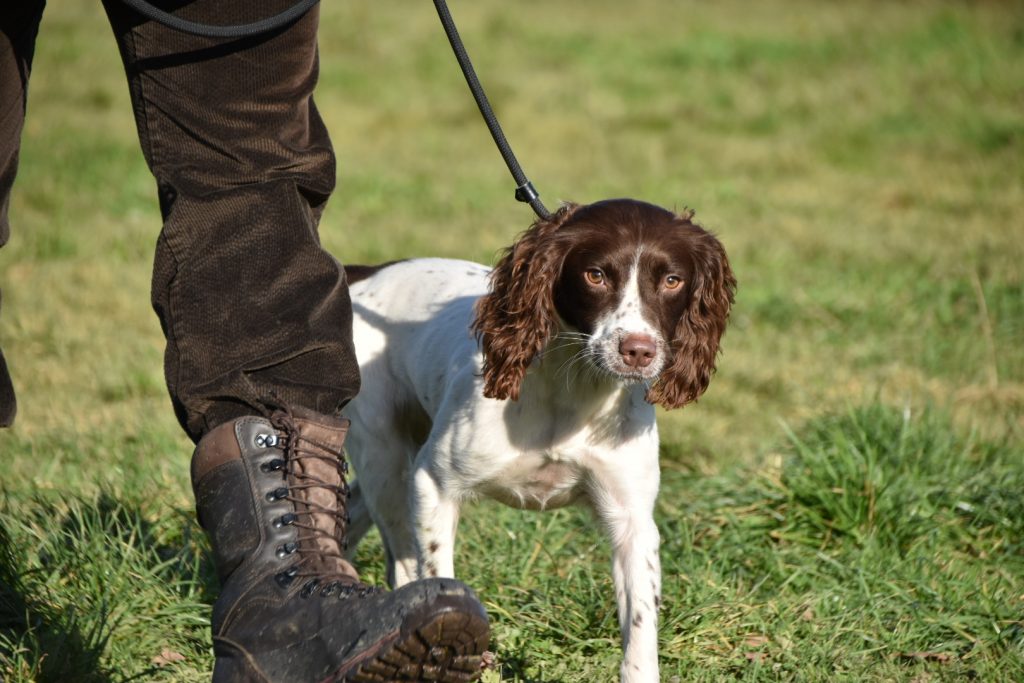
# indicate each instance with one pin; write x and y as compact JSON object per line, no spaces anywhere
{"x":863,"y":163}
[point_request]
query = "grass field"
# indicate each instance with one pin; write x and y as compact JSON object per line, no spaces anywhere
{"x":847,"y":501}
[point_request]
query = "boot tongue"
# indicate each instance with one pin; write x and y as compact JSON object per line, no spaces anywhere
{"x":320,"y":489}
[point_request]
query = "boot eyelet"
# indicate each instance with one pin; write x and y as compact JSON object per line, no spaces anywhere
{"x":287,"y":549}
{"x":329,"y":590}
{"x":285,"y":578}
{"x":273,"y":465}
{"x":265,"y":440}
{"x":286,"y":519}
{"x":309,"y":588}
{"x":278,"y":494}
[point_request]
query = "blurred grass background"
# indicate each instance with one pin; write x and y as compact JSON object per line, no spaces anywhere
{"x":863,"y":163}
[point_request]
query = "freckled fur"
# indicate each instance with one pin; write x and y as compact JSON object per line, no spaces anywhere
{"x":513,"y":383}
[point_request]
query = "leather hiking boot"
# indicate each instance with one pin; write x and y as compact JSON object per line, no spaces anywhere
{"x":271,"y":495}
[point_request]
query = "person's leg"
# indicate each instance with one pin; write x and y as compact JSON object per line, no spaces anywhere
{"x":260,"y":360}
{"x":255,"y":312}
{"x":19,"y":24}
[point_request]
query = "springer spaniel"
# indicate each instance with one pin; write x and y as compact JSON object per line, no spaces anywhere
{"x":538,"y":390}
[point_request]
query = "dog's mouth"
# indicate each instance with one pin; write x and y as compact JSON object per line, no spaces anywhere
{"x":629,"y":375}
{"x":601,"y":353}
{"x":607,"y":358}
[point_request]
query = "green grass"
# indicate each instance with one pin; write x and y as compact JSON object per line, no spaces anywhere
{"x":843,"y":504}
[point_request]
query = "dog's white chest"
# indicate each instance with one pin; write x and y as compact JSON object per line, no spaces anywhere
{"x":536,"y":481}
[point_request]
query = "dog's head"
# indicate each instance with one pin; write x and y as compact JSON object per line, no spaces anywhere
{"x":648,"y":290}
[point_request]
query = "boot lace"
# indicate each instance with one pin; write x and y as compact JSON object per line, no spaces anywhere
{"x":323,"y":565}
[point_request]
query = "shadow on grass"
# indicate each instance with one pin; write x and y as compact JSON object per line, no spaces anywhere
{"x":59,"y":611}
{"x":61,"y":647}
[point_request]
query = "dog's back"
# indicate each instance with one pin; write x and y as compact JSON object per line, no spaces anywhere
{"x":391,"y":303}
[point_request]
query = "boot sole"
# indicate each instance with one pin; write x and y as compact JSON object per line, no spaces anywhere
{"x":446,"y":646}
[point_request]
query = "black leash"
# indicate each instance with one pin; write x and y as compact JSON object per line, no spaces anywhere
{"x":290,"y":15}
{"x":525,"y":192}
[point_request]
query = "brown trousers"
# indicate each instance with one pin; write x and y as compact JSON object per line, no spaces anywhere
{"x":254,"y":311}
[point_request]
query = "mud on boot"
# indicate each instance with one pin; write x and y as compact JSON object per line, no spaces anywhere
{"x":271,"y":494}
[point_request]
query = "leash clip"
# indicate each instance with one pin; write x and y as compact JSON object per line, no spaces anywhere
{"x":526,"y":193}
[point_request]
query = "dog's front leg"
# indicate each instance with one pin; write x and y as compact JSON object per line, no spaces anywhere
{"x":626,"y":508}
{"x":436,"y":517}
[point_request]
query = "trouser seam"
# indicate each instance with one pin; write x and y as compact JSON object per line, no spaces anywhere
{"x":150,"y":149}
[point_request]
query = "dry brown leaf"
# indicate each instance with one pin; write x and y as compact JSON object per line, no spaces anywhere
{"x":167,"y":656}
{"x":927,"y":656}
{"x":755,"y":640}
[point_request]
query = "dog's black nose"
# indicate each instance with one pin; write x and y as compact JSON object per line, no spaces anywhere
{"x":637,"y":350}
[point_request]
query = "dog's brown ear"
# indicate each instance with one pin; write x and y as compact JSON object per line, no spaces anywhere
{"x":516,"y":318}
{"x":699,"y":330}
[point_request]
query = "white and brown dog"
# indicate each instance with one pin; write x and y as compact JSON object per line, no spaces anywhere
{"x":537,"y":390}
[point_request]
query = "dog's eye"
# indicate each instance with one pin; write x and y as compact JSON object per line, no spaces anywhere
{"x":673,"y":282}
{"x":595,"y":276}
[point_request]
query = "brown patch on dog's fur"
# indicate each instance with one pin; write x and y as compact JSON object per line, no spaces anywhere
{"x":356,"y":273}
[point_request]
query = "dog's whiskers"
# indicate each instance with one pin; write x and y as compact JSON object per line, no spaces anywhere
{"x":568,"y":366}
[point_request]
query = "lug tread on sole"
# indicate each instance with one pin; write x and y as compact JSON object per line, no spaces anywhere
{"x":447,"y":649}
